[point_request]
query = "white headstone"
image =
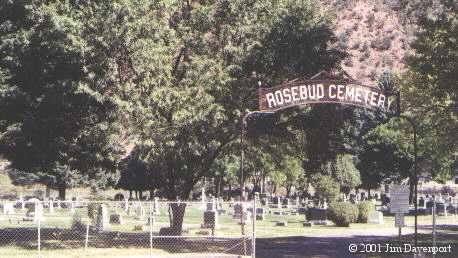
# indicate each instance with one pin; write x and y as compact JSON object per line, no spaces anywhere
{"x":126,"y":205}
{"x":278,"y":202}
{"x":101,"y":222}
{"x":8,"y":208}
{"x":156,"y":206}
{"x":51,"y":206}
{"x":139,"y":211}
{"x":38,"y":214}
{"x":72,"y":206}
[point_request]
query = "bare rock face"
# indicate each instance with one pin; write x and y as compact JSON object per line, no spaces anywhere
{"x":373,"y":34}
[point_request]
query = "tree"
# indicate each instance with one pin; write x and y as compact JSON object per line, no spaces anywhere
{"x":53,"y":122}
{"x":429,"y":87}
{"x":343,"y":170}
{"x":326,"y":187}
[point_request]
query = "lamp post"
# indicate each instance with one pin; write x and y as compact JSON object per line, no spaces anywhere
{"x":242,"y":149}
{"x":415,"y":172}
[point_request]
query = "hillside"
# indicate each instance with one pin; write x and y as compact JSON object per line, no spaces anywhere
{"x":373,"y":33}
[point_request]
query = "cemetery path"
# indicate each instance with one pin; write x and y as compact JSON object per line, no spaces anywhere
{"x":337,"y":246}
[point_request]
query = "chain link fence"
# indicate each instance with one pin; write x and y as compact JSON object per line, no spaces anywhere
{"x":145,"y":228}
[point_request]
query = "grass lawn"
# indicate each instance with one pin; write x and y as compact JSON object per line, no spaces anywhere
{"x":19,"y":238}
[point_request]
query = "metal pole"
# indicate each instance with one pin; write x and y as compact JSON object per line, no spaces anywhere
{"x":415,"y":172}
{"x":416,"y":180}
{"x":242,"y":155}
{"x":86,"y":242}
{"x":434,"y":219}
{"x":39,"y":231}
{"x":253,"y":240}
{"x":151,"y":211}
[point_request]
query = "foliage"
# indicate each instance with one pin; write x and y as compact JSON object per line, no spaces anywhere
{"x":364,"y":209}
{"x":343,"y":213}
{"x":343,"y":170}
{"x":326,"y":187}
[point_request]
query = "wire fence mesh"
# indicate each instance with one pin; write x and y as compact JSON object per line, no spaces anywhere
{"x":147,"y":228}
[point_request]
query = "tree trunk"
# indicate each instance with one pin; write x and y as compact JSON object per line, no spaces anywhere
{"x":176,"y":223}
{"x":130,"y":194}
{"x":411,"y":193}
{"x":141,"y":195}
{"x":288,"y":190}
{"x":151,"y":194}
{"x":62,"y":192}
{"x":136,"y":195}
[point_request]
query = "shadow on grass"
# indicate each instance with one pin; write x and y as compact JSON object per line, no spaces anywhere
{"x":55,"y":239}
{"x":338,"y":247}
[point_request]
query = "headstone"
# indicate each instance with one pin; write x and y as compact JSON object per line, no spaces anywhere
{"x":286,"y":203}
{"x":260,"y":214}
{"x":77,"y":223}
{"x":51,"y":206}
{"x":210,"y":219}
{"x":8,"y":208}
{"x":38,"y":212}
{"x":101,"y":221}
{"x":58,"y":204}
{"x":72,"y":207}
{"x":307,"y":224}
{"x":278,"y":202}
{"x":239,"y":210}
{"x":116,"y":219}
{"x":139,"y":228}
{"x":139,"y":211}
{"x":125,"y":205}
{"x":316,"y":214}
{"x":375,"y":217}
{"x":203,"y":199}
{"x":22,"y":203}
{"x":281,"y":223}
{"x":211,"y":205}
{"x":156,"y":206}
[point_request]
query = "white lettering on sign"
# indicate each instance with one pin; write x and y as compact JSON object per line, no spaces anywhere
{"x":399,"y":198}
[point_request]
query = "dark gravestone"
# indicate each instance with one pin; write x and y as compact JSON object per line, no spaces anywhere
{"x":210,"y":219}
{"x":301,"y":210}
{"x":316,"y":214}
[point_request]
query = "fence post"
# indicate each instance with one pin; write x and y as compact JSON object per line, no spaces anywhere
{"x":86,"y":241}
{"x":253,"y":237}
{"x":151,"y":228}
{"x":39,"y":229}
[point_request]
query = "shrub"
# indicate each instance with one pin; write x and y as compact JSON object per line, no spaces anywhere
{"x":92,"y":209}
{"x":364,"y":209}
{"x":343,"y":213}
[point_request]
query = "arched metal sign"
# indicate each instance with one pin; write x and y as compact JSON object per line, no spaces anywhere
{"x":301,"y":92}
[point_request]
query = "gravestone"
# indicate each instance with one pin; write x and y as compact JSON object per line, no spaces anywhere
{"x":286,"y":203}
{"x":278,"y":202}
{"x":301,"y":210}
{"x":125,"y":205}
{"x":101,"y":221}
{"x":139,"y":211}
{"x":77,"y":223}
{"x":72,"y":207}
{"x":239,"y":210}
{"x":34,"y":212}
{"x":51,"y":206}
{"x":8,"y":208}
{"x":260,"y":214}
{"x":375,"y":217}
{"x":281,"y":223}
{"x":116,"y":219}
{"x":156,"y":206}
{"x":211,"y":205}
{"x":210,"y":219}
{"x":316,"y":214}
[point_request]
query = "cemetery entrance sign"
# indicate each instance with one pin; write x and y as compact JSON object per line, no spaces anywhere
{"x":303,"y":92}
